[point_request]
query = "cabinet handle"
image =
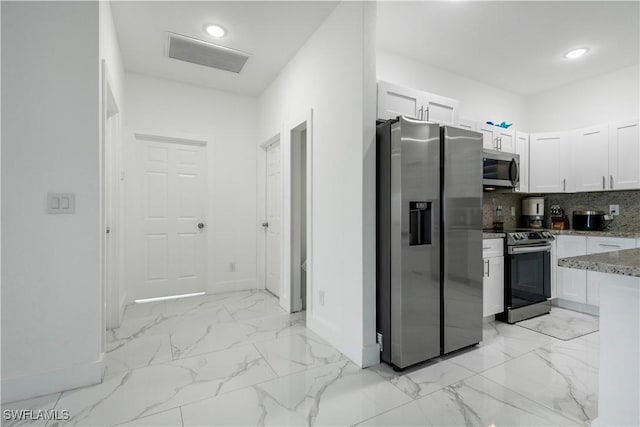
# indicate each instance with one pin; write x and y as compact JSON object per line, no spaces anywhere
{"x":564,"y":184}
{"x":427,"y":111}
{"x":604,"y":182}
{"x":488,"y":268}
{"x":484,"y":248}
{"x":420,"y":115}
{"x":604,"y":245}
{"x":611,"y":181}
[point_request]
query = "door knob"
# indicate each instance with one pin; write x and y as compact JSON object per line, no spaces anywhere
{"x":200,"y":225}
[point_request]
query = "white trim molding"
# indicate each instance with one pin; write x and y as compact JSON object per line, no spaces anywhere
{"x":30,"y":386}
{"x":171,"y":139}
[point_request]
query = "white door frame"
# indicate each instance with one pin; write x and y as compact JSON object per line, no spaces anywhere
{"x":263,"y":207}
{"x":110,"y":251}
{"x":287,"y":292}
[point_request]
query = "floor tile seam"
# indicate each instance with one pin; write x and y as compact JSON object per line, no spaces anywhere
{"x":169,"y":362}
{"x":413,"y":400}
{"x":54,"y":407}
{"x":554,"y":410}
{"x":265,"y":360}
{"x":253,"y":386}
{"x":535,"y":402}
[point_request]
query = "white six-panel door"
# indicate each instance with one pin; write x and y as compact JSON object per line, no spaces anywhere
{"x":274,"y":208}
{"x":173,"y":201}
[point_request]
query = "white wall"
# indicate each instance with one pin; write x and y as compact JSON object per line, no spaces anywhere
{"x":609,"y":97}
{"x":51,"y":313}
{"x":478,"y":101}
{"x":228,"y":122}
{"x":330,"y":75}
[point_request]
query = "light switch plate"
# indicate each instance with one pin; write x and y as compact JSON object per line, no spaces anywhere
{"x":61,"y":203}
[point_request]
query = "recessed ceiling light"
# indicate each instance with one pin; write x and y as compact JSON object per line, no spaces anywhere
{"x":576,"y":53}
{"x":215,"y":30}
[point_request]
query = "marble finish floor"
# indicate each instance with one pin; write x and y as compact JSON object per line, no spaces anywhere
{"x":563,"y":324}
{"x":239,"y":359}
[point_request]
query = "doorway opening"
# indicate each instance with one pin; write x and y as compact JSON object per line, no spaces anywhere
{"x":111,"y":235}
{"x":299,"y":217}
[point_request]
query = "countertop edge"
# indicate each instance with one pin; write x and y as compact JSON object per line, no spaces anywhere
{"x":603,"y":262}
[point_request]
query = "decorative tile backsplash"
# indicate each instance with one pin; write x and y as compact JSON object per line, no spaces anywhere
{"x":490,"y":202}
{"x":629,"y":202}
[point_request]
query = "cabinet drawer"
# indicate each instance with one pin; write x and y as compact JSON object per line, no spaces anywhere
{"x":608,"y":244}
{"x":492,"y":248}
{"x":568,"y":246}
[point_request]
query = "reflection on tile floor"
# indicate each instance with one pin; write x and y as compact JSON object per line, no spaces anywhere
{"x":238,"y":359}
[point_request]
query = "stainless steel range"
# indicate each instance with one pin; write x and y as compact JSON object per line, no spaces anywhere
{"x":527,"y":274}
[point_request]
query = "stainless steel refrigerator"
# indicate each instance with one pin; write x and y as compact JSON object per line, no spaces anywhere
{"x":429,"y":240}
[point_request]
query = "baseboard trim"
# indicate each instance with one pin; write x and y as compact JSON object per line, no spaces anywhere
{"x":361,"y":356}
{"x":233,"y":285}
{"x":30,"y":386}
{"x":576,"y":306}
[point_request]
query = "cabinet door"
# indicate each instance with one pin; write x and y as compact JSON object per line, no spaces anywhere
{"x":394,"y":101}
{"x":545,"y":154}
{"x":594,"y":278}
{"x":489,"y":136}
{"x":506,"y":140}
{"x":590,"y":148}
{"x":624,"y":155}
{"x":571,"y":283}
{"x":522,"y":149}
{"x":493,"y":284}
{"x":440,"y":109}
{"x":467,"y":124}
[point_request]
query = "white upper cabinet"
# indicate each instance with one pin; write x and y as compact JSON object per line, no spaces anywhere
{"x":440,"y":109}
{"x":489,"y":136}
{"x":550,"y":163}
{"x":395,"y":100}
{"x":590,"y":154}
{"x":497,"y":138}
{"x":624,"y":155}
{"x":467,"y":124}
{"x":522,"y":149}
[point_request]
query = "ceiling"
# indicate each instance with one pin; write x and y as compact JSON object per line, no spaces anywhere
{"x":271,"y":32}
{"x":515,"y":45}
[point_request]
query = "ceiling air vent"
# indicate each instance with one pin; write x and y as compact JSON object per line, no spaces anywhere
{"x":204,"y":53}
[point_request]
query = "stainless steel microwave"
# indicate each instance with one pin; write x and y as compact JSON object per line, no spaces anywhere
{"x":500,"y":169}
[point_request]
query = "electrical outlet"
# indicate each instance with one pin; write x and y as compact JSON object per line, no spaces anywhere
{"x":513,"y":211}
{"x":321,"y":298}
{"x":232,"y":267}
{"x":614,"y":210}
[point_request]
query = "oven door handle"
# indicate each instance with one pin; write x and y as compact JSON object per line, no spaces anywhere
{"x":528,"y":249}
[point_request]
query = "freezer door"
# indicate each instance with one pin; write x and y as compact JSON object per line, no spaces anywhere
{"x":462,"y":238}
{"x":415,"y":241}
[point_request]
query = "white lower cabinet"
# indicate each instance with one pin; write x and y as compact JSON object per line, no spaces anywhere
{"x":597,"y":245}
{"x":493,"y":277}
{"x":571,"y":283}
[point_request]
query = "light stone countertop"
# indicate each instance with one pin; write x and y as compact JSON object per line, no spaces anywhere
{"x":628,"y":234}
{"x":625,"y":262}
{"x":492,"y":235}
